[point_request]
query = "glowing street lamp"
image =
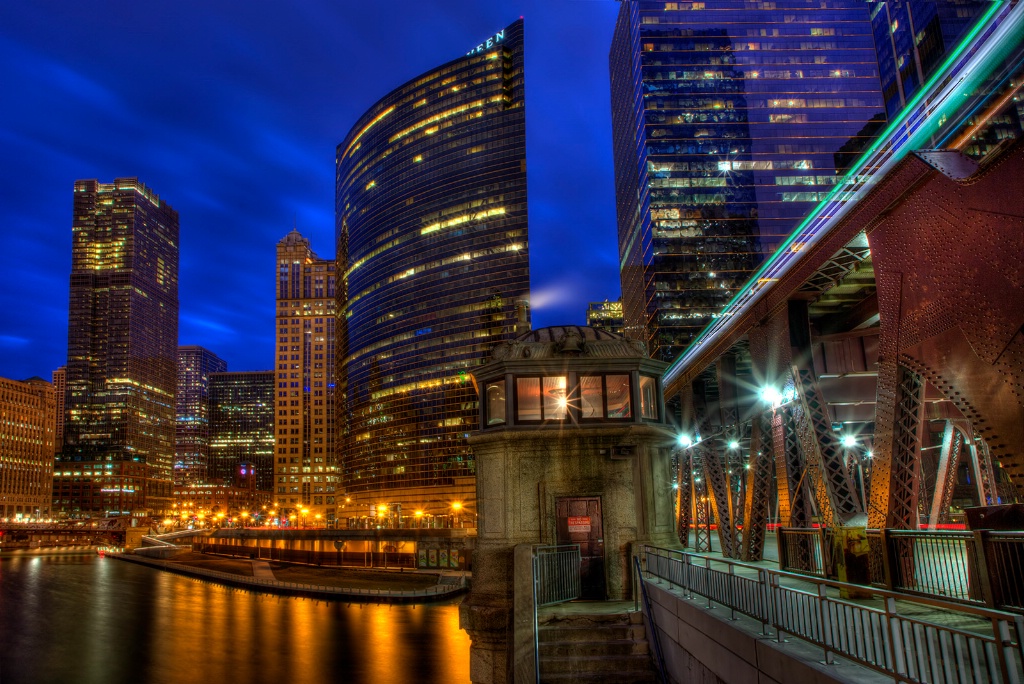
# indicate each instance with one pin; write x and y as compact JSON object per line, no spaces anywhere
{"x":771,"y":396}
{"x":685,"y":441}
{"x":734,"y":444}
{"x":457,"y":506}
{"x":849,"y":441}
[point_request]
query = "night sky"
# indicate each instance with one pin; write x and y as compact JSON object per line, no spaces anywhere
{"x":231,"y":112}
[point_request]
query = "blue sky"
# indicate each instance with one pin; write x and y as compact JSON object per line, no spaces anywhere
{"x":231,"y":112}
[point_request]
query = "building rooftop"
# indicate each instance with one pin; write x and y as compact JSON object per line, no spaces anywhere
{"x":569,"y":341}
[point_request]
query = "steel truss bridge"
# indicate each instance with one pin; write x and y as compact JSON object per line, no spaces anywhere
{"x":871,"y":372}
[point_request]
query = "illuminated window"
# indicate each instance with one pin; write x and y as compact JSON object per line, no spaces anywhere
{"x":648,"y":397}
{"x":534,"y":405}
{"x":605,"y":397}
{"x":496,"y":403}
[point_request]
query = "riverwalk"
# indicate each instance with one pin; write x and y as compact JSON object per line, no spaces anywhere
{"x":264,"y":580}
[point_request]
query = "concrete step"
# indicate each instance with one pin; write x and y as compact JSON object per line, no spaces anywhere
{"x":600,"y":677}
{"x":596,"y":664}
{"x":610,"y":647}
{"x":599,"y":632}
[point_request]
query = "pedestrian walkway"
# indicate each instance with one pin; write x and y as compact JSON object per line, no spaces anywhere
{"x":261,"y":570}
{"x":263,"y":579}
{"x":910,"y":606}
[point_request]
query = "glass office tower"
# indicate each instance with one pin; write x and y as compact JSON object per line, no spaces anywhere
{"x":432,"y":232}
{"x":192,"y":430}
{"x":912,"y":37}
{"x":122,"y":352}
{"x":726,"y":117}
{"x":242,"y":426}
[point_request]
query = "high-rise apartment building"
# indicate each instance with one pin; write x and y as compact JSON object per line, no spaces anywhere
{"x":242,"y":427}
{"x":122,"y":352}
{"x":726,"y":119}
{"x":432,"y":243}
{"x":27,"y":428}
{"x":304,"y":402}
{"x":192,"y":428}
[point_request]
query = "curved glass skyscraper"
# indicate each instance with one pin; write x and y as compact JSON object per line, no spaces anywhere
{"x":432,"y":244}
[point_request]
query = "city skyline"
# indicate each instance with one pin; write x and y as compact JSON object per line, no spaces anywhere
{"x":238,"y":133}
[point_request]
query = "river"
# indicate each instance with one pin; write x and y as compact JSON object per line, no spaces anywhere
{"x":73,"y":619}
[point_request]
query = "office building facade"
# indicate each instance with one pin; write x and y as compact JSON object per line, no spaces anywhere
{"x":242,"y":428}
{"x":606,"y":315}
{"x":122,"y":352}
{"x":726,"y":118}
{"x":432,"y":234}
{"x":27,"y":429}
{"x":192,"y":428}
{"x":912,"y":38}
{"x":304,"y":402}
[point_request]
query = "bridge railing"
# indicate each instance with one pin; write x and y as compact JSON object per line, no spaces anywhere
{"x":981,"y":567}
{"x":910,"y":638}
{"x":805,"y":550}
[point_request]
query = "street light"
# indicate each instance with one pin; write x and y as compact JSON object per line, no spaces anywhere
{"x":457,"y":506}
{"x":770,"y":395}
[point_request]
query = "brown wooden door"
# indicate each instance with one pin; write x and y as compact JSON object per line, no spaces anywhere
{"x":578,"y":521}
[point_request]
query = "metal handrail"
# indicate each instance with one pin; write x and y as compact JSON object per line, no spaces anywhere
{"x":873,"y":630}
{"x":655,"y":637}
{"x":556,"y":573}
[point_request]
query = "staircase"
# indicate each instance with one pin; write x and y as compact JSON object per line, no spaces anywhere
{"x":594,"y":648}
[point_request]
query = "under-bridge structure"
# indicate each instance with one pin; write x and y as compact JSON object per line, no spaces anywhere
{"x":870,"y":375}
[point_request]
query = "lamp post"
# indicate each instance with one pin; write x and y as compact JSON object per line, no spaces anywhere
{"x":456,"y":508}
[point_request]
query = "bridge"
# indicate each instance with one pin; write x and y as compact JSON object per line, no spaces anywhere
{"x":111,"y":532}
{"x":868,"y":380}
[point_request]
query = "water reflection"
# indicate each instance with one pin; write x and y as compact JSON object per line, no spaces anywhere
{"x":86,"y":619}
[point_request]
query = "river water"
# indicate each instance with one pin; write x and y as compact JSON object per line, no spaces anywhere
{"x":73,"y":619}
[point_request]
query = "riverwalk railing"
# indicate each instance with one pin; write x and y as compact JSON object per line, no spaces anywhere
{"x":902,"y":636}
{"x":441,"y":590}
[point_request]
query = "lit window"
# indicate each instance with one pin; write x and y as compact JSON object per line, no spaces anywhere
{"x":648,"y":397}
{"x":496,"y":403}
{"x":534,"y":405}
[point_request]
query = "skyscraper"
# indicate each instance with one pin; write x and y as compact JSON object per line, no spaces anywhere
{"x":27,"y":427}
{"x":912,"y":37}
{"x":242,"y":426}
{"x":432,"y":233}
{"x":606,"y":316}
{"x":59,"y":378}
{"x":305,"y":432}
{"x":122,"y":351}
{"x":192,"y":428}
{"x":726,"y":118}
